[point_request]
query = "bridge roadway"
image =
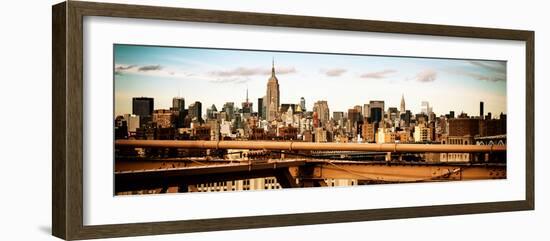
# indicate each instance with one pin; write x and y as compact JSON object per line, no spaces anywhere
{"x":144,"y":174}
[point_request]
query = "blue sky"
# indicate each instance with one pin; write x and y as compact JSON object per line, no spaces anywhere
{"x":216,"y":76}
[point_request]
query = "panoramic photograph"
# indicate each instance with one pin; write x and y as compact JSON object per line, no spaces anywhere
{"x":189,"y":119}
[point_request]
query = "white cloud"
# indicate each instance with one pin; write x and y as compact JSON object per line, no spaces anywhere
{"x":428,"y":75}
{"x":379,"y":74}
{"x":243,"y":74}
{"x":335,"y":72}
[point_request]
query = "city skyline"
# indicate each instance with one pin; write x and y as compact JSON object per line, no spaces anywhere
{"x":372,"y":101}
{"x":342,"y":80}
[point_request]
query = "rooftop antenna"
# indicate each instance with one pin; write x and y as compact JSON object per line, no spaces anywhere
{"x":273,"y":66}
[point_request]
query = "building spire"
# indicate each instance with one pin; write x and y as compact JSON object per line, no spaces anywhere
{"x":247,"y":94}
{"x":272,"y":66}
{"x":402,"y":109}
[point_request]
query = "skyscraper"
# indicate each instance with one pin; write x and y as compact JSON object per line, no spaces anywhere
{"x":481,"y":114}
{"x":338,"y":116}
{"x":425,"y":108}
{"x":178,"y":107}
{"x":406,"y":117}
{"x":212,"y":112}
{"x":354,"y":116}
{"x":393,"y":114}
{"x":261,"y":108}
{"x":142,"y":106}
{"x":359,"y":109}
{"x":322,"y":110}
{"x":366,"y":110}
{"x":247,"y":106}
{"x":272,"y":95}
{"x":376,"y":110}
{"x":303,"y":104}
{"x":195,"y":111}
{"x":229,"y":108}
{"x":402,"y":107}
{"x":178,"y":104}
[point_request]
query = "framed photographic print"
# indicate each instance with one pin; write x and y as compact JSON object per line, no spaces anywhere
{"x":171,"y":120}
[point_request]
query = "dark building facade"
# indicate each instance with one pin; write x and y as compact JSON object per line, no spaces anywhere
{"x":463,"y":127}
{"x":481,"y":114}
{"x":143,"y":107}
{"x":229,"y":109}
{"x":376,"y":114}
{"x":406,"y":117}
{"x":492,"y":127}
{"x":195,"y":111}
{"x":178,"y":108}
{"x":354,"y":116}
{"x":261,"y":109}
{"x":212,"y":112}
{"x":288,"y":133}
{"x":178,"y":104}
{"x":247,"y":106}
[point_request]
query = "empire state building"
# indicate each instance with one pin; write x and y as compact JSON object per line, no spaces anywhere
{"x":272,"y":96}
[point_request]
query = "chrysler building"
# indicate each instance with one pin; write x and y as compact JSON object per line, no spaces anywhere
{"x":402,"y":109}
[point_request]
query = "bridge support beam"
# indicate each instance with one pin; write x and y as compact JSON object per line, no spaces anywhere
{"x":285,"y":179}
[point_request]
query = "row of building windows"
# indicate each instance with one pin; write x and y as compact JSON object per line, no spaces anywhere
{"x":268,"y":184}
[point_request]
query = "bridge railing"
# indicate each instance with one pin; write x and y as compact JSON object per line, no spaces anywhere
{"x":302,"y":146}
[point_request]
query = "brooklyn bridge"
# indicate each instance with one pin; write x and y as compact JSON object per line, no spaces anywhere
{"x":219,"y":165}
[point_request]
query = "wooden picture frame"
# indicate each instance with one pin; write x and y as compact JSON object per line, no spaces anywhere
{"x":67,"y":123}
